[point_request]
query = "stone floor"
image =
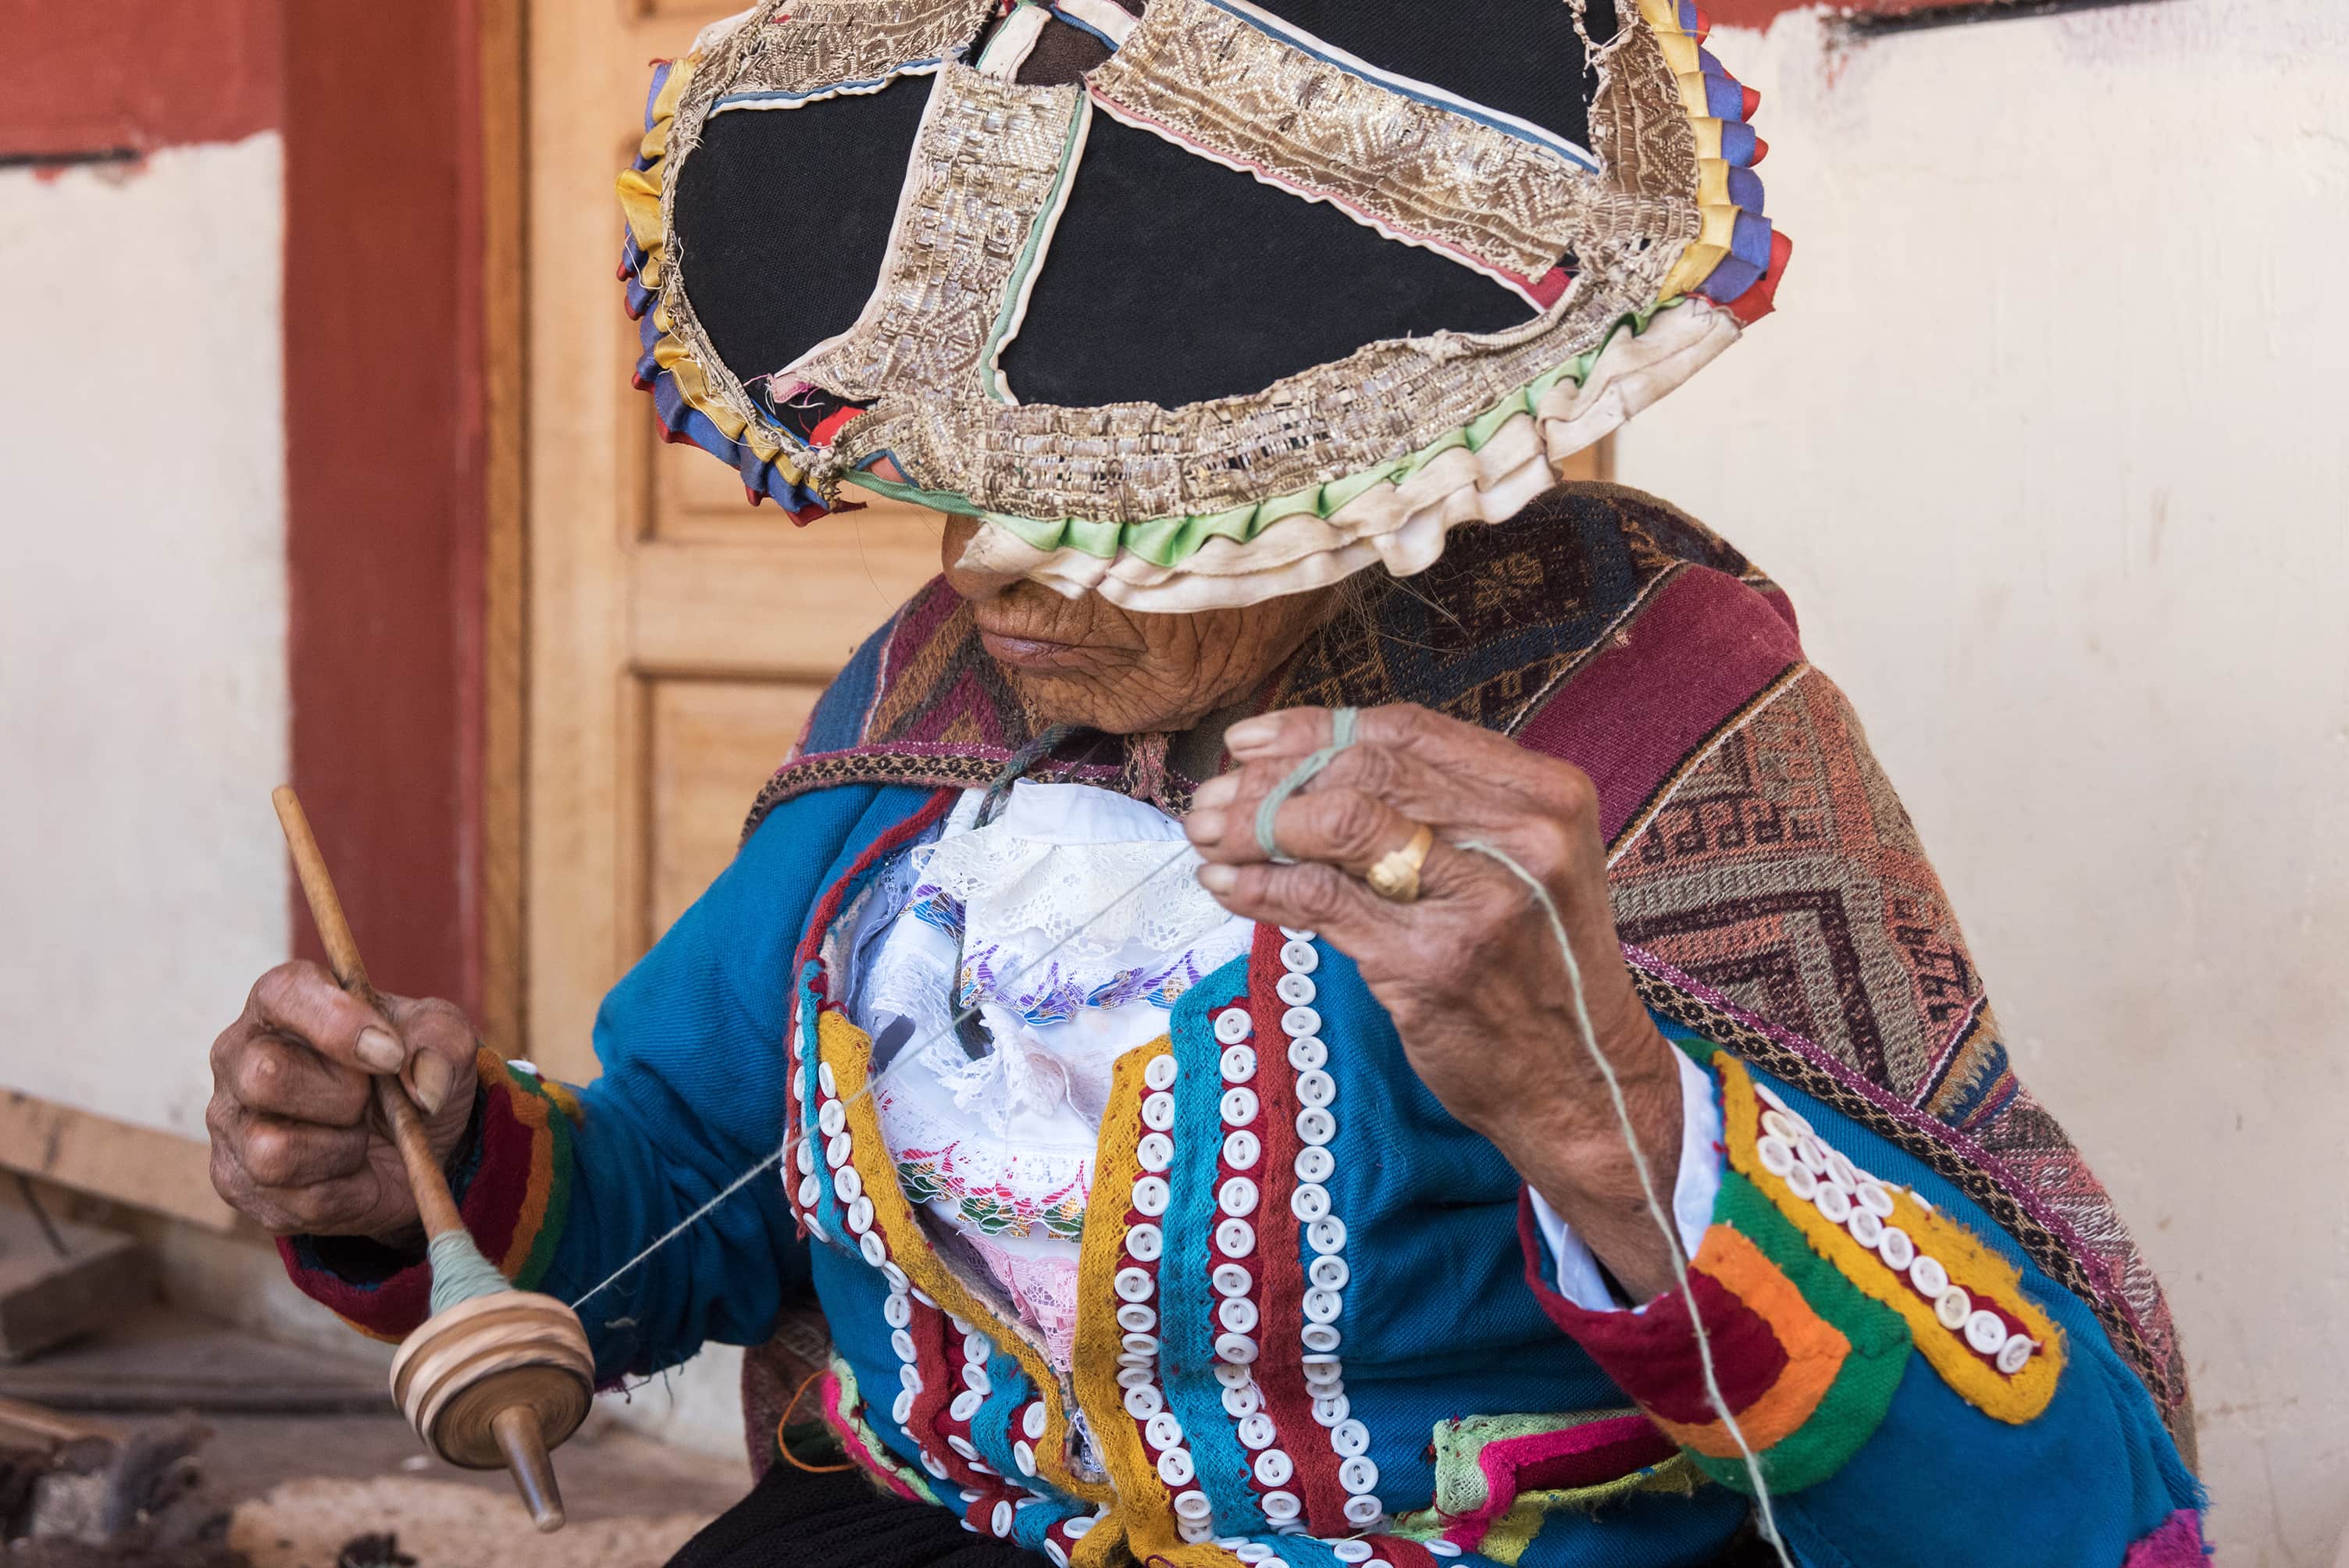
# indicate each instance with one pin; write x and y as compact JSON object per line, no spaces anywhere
{"x":306,"y":1447}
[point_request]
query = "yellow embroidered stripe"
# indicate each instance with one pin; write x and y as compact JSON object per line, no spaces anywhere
{"x":1143,"y":1513}
{"x":848,"y":1050}
{"x":2010,"y":1397}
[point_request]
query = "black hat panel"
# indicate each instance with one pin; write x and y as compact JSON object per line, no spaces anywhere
{"x":768,"y":189}
{"x":1522,"y":57}
{"x":1172,"y":279}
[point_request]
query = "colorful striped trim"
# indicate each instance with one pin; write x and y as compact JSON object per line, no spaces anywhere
{"x":1498,"y":1477}
{"x":1815,"y":1350}
{"x":1806,"y":1361}
{"x":689,"y":411}
{"x":846,"y":1050}
{"x":2011,"y":1390}
{"x":548,"y":1111}
{"x":1737,"y":257}
{"x":514,"y":1195}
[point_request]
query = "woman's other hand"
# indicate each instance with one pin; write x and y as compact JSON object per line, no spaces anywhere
{"x":1471,"y":972}
{"x":295,"y":1141}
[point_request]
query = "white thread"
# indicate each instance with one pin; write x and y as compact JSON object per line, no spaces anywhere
{"x":1590,"y":1039}
{"x":680,"y":1228}
{"x":904,"y":1056}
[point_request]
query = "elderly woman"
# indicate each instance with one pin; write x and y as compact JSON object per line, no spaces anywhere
{"x":1320,"y":997}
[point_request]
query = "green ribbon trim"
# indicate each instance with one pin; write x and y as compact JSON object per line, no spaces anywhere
{"x":1170,"y":540}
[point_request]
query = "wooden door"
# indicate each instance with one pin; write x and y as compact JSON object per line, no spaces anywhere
{"x":677,"y":635}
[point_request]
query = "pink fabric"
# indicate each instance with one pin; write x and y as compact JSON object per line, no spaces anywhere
{"x":1587,"y":1455}
{"x":2177,"y":1545}
{"x":1043,"y":1289}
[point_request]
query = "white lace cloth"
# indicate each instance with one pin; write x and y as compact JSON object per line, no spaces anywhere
{"x":1080,"y":923}
{"x":1077,"y":923}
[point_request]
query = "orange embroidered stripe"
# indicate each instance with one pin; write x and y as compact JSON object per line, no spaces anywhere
{"x":1815,"y":1349}
{"x":848,"y":1050}
{"x":1989,"y":1280}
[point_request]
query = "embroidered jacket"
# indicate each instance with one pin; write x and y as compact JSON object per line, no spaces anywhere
{"x":1318,"y":1326}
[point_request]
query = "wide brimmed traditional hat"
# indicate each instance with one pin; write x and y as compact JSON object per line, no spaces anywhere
{"x":1192,"y":302}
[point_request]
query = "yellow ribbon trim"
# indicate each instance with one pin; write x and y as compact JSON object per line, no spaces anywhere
{"x":848,"y":1050}
{"x":1705,"y":252}
{"x":1984,"y":1274}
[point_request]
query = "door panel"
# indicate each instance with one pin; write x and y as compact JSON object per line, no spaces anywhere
{"x":711,"y":745}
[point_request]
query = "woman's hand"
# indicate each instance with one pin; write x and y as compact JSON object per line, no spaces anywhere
{"x":295,"y":1143}
{"x":1471,"y":972}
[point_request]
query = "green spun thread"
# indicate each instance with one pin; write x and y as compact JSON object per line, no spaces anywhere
{"x":460,"y":1272}
{"x":1341,"y":735}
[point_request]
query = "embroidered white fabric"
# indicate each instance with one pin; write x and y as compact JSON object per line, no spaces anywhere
{"x":1042,"y":890}
{"x":998,"y":1146}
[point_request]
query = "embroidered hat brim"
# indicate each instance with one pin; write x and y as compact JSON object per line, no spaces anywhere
{"x":1196,"y":304}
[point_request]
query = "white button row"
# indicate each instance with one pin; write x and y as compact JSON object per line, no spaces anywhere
{"x":1324,"y":1234}
{"x":1847,"y":1196}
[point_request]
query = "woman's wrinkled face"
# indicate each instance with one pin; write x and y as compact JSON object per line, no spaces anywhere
{"x":1086,"y":660}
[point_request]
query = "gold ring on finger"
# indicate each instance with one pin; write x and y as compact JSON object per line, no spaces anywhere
{"x":1394,"y":876}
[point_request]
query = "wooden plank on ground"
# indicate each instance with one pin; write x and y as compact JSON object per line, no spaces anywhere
{"x":60,"y":1281}
{"x":133,"y":1165}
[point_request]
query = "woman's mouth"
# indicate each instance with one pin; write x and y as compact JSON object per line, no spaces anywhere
{"x":1033,"y":653}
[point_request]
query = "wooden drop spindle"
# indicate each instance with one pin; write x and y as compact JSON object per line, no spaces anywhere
{"x":499,"y":1379}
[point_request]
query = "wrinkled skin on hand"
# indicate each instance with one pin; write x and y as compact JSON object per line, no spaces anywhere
{"x":1471,"y":973}
{"x":296,"y":1142}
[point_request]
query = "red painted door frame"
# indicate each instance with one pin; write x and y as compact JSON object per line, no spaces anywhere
{"x":386,"y":456}
{"x":390,"y":456}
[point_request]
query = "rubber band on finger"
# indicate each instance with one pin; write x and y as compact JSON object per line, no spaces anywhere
{"x":1341,"y":735}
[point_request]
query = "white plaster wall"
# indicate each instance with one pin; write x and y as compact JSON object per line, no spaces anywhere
{"x":2047,"y":441}
{"x":142,"y":622}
